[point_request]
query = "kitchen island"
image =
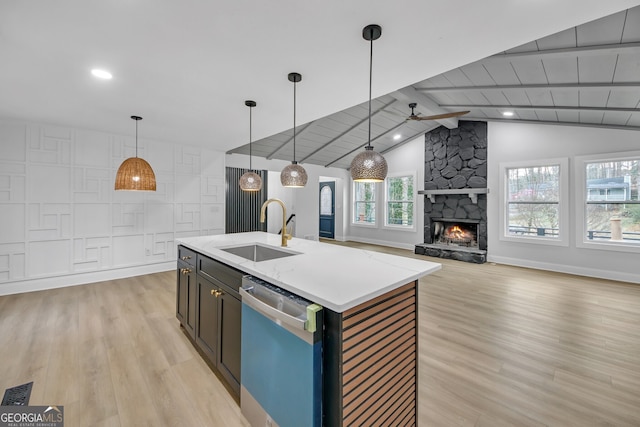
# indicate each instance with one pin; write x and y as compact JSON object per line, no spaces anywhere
{"x":370,"y":316}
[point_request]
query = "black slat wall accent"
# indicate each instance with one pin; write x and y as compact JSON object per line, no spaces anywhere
{"x":242,"y":210}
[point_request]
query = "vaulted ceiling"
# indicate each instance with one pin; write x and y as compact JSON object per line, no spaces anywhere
{"x":586,"y":75}
{"x":188,"y":66}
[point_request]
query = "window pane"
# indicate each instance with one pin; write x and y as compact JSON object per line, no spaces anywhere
{"x":365,"y":212}
{"x":533,"y":219}
{"x":616,"y":222}
{"x":612,"y":181}
{"x":326,"y":201}
{"x":533,"y":184}
{"x":400,"y":213}
{"x":400,"y":188}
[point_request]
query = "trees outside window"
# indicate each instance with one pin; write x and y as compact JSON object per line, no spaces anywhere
{"x":400,"y":201}
{"x":364,"y":203}
{"x":533,"y":201}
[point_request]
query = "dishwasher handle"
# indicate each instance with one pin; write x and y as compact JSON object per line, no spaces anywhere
{"x":283,"y":319}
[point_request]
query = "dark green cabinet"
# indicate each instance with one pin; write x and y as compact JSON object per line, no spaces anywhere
{"x":209,"y":308}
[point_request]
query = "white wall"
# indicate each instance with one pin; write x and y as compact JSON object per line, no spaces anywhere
{"x":408,"y":158}
{"x":63,"y":223}
{"x":511,"y":142}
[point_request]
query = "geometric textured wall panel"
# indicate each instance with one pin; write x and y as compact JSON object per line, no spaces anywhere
{"x":61,"y":216}
{"x":49,"y":258}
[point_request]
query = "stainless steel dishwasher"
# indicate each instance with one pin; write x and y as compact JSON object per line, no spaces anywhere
{"x":281,"y":380}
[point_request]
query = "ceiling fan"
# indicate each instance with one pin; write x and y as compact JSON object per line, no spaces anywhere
{"x":414,"y":116}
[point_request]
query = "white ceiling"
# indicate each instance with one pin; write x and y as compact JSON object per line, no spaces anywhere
{"x":187,"y":66}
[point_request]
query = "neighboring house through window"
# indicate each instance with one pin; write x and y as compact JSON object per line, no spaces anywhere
{"x":610,"y":216}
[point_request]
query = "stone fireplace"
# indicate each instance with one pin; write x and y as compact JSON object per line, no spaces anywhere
{"x":455,"y":190}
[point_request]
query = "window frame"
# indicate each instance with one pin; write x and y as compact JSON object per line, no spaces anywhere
{"x":581,"y":203}
{"x":354,"y":201}
{"x":399,"y":227}
{"x":563,"y":202}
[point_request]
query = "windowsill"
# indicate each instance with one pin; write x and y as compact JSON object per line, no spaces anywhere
{"x":608,"y":245}
{"x":535,"y":240}
{"x":411,"y":229}
{"x":363,"y":224}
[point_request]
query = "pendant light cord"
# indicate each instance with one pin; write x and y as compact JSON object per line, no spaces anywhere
{"x":250,"y":139}
{"x":294,"y":120}
{"x":136,"y":138}
{"x":370,"y":84}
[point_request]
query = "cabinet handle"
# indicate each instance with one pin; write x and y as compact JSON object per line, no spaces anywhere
{"x":185,"y":258}
{"x":185,"y":270}
{"x":216,"y":293}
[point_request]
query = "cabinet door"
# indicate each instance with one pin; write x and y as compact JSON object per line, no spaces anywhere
{"x":186,"y":297}
{"x":207,"y":323}
{"x":229,"y":318}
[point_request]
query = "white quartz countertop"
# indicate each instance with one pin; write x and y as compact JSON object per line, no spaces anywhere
{"x":333,"y":276}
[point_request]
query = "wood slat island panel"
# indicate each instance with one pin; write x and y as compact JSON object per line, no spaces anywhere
{"x":371,"y":358}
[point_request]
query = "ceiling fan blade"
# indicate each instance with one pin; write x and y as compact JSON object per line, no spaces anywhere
{"x":442,"y":116}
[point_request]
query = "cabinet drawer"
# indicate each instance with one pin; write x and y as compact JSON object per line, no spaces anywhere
{"x":187,"y":255}
{"x":223,"y":273}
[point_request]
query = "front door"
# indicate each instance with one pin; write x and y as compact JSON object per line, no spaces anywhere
{"x":327,"y":209}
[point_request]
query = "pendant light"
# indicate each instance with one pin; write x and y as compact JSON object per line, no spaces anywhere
{"x":369,"y":166}
{"x":135,"y":173}
{"x":294,"y":175}
{"x":250,"y":181}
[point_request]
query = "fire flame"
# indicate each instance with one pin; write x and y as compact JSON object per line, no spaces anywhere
{"x":456,"y":232}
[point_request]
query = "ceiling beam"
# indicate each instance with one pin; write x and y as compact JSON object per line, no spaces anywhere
{"x":544,"y":107}
{"x":545,"y":122}
{"x":355,"y":126}
{"x":305,"y":127}
{"x":362,"y":145}
{"x":509,"y":87}
{"x":582,"y":51}
{"x":410,"y":94}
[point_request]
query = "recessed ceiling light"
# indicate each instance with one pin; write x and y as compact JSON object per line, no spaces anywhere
{"x":101,"y":74}
{"x":397,"y":136}
{"x":507,"y":113}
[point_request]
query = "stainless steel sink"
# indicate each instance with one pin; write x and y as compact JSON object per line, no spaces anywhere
{"x":259,"y":253}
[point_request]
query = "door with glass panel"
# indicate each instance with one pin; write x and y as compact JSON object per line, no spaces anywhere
{"x":327,"y":209}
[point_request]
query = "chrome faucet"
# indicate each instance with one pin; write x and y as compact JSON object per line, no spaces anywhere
{"x":263,"y":211}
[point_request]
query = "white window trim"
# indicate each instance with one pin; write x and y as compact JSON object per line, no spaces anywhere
{"x":563,"y":205}
{"x":409,"y":228}
{"x":581,"y":240}
{"x":373,"y":224}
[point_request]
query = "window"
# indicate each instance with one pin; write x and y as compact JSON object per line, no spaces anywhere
{"x":611,"y":202}
{"x":364,"y":203}
{"x":534,"y":199}
{"x":399,"y":199}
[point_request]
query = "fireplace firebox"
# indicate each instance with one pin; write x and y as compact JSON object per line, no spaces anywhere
{"x":455,"y":233}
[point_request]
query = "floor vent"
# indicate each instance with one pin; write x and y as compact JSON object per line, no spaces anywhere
{"x":18,"y":395}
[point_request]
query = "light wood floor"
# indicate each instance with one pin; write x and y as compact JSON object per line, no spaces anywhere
{"x":499,"y":346}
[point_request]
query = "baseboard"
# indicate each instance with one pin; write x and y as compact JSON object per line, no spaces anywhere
{"x":31,"y":285}
{"x":569,"y":269}
{"x":408,"y":246}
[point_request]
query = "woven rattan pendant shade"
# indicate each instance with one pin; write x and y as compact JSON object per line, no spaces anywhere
{"x":135,"y":174}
